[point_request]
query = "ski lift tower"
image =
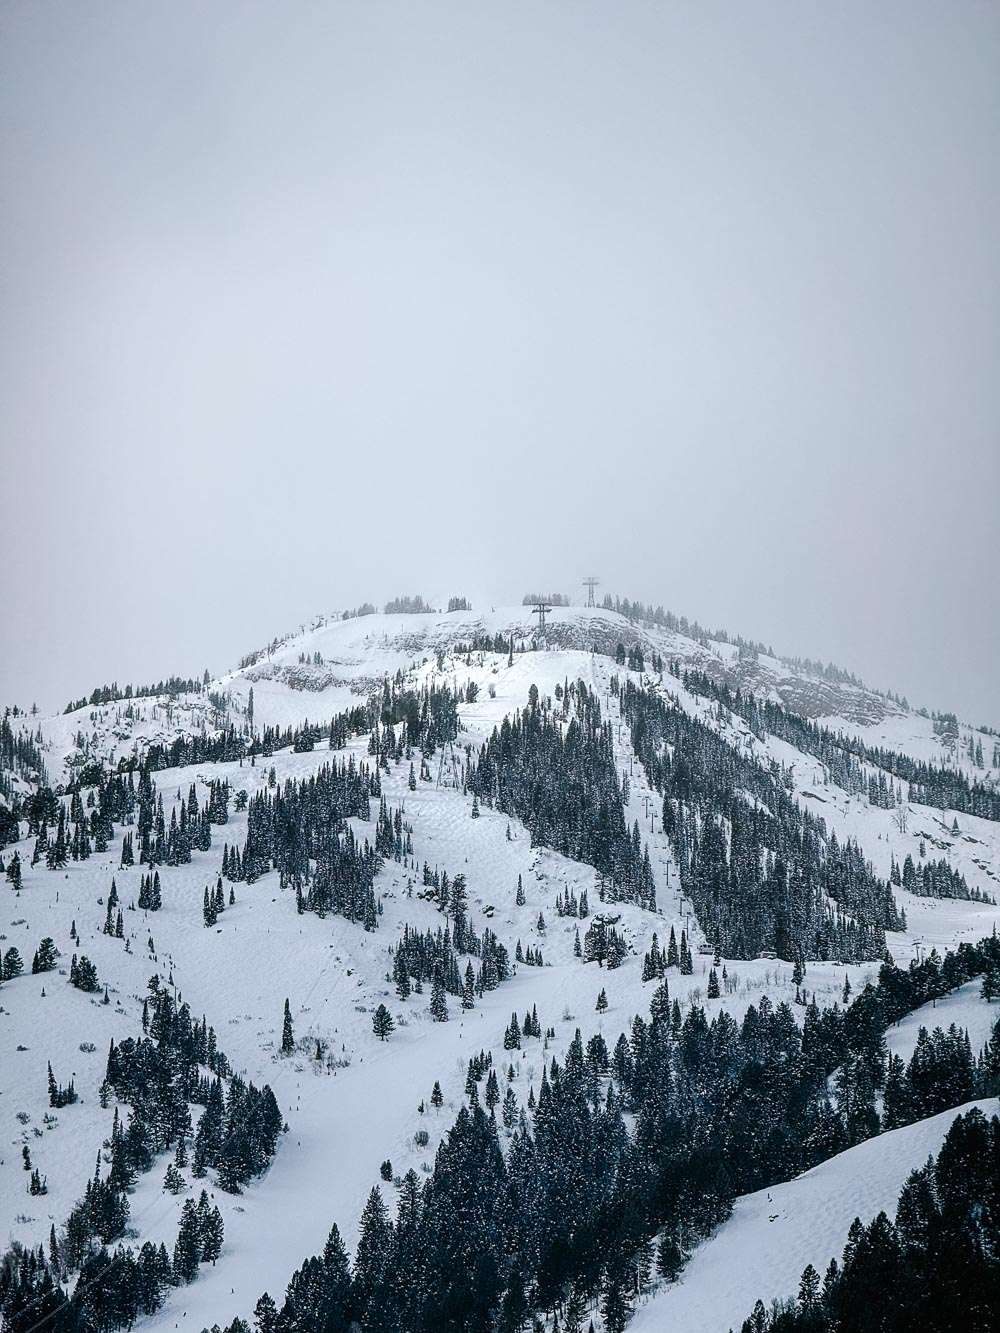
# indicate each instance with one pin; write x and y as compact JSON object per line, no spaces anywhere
{"x":541,"y":610}
{"x":590,"y":584}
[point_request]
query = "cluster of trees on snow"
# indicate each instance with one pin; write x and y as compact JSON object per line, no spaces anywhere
{"x":488,"y":643}
{"x":434,"y":958}
{"x":935,"y":1267}
{"x":429,"y":717}
{"x":633,"y":658}
{"x":190,"y":827}
{"x":20,"y":753}
{"x":928,"y":784}
{"x":935,"y":879}
{"x":82,"y":822}
{"x":451,"y":897}
{"x":159,"y":1076}
{"x":580,"y":1206}
{"x":430,"y":714}
{"x":650,"y":615}
{"x":555,"y":770}
{"x":107,"y":694}
{"x":758,"y":870}
{"x":113,"y":1289}
{"x":942,"y":1072}
{"x":301,"y":830}
{"x":11,"y":962}
{"x":10,"y":824}
{"x":545,"y":598}
{"x":407,"y":606}
{"x":365,"y":609}
{"x":90,"y":832}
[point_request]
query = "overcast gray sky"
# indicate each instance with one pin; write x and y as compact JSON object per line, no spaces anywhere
{"x":308,"y":303}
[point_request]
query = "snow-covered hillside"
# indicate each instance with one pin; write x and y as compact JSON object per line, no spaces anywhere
{"x":325,"y":667}
{"x":760,"y":1253}
{"x":350,"y":1101}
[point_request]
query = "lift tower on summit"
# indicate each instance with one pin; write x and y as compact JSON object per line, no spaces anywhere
{"x":590,"y":584}
{"x":541,"y":610}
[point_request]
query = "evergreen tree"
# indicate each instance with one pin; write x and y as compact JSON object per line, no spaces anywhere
{"x":265,"y":1315}
{"x":991,"y":982}
{"x":187,"y":1248}
{"x":382,"y":1023}
{"x":438,"y":1005}
{"x":12,"y":966}
{"x":212,"y":1235}
{"x":173,"y":1181}
{"x":287,"y":1036}
{"x":372,"y":1258}
{"x":83,"y":974}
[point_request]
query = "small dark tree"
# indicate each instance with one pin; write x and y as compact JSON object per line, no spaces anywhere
{"x":438,"y":1005}
{"x":83,"y":974}
{"x":12,"y":965}
{"x":287,"y":1036}
{"x":382,"y":1023}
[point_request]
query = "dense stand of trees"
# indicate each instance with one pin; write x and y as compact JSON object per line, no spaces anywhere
{"x":556,"y":772}
{"x":107,"y":694}
{"x":301,"y":830}
{"x":407,"y":606}
{"x":935,"y":879}
{"x":86,"y":823}
{"x":21,"y":754}
{"x":113,"y":1289}
{"x":429,"y":717}
{"x":160,"y":1074}
{"x":421,"y":958}
{"x":484,"y":642}
{"x":759,"y":871}
{"x":568,"y":1214}
{"x":935,"y":1268}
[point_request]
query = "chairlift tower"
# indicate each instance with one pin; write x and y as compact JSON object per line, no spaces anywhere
{"x":541,"y":610}
{"x":590,"y":584}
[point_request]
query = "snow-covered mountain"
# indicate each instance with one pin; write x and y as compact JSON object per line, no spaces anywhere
{"x":330,"y":664}
{"x":842,"y":827}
